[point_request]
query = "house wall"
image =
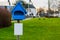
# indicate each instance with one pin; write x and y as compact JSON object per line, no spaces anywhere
{"x":32,"y":10}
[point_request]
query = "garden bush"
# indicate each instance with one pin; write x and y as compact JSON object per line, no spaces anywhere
{"x":5,"y":18}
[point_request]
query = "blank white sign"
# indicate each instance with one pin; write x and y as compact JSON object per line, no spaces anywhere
{"x":18,"y":29}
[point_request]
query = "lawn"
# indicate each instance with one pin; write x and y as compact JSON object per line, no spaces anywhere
{"x":35,"y":29}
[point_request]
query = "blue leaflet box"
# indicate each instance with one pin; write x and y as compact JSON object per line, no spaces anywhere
{"x":18,"y":12}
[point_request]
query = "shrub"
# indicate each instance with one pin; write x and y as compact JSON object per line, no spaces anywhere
{"x":5,"y":18}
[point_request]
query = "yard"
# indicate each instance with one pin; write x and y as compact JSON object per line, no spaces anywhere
{"x":35,"y":29}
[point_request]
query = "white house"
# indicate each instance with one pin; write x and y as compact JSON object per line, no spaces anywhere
{"x":31,"y":10}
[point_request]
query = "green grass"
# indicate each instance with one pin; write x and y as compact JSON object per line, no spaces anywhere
{"x":35,"y":29}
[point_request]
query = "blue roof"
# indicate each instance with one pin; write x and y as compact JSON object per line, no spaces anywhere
{"x":19,"y":7}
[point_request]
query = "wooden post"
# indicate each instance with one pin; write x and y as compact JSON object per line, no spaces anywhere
{"x":18,"y":21}
{"x":18,"y":36}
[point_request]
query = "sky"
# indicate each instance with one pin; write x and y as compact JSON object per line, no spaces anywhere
{"x":2,"y":2}
{"x":36,"y":3}
{"x":39,"y":3}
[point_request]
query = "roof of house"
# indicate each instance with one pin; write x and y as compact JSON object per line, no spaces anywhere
{"x":30,"y":6}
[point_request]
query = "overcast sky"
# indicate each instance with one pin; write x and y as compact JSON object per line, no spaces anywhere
{"x":39,"y":3}
{"x":36,"y":3}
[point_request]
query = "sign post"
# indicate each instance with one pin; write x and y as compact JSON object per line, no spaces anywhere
{"x":18,"y":36}
{"x":18,"y":29}
{"x":18,"y":13}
